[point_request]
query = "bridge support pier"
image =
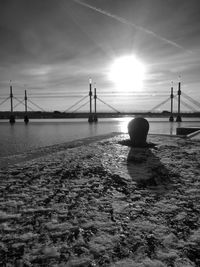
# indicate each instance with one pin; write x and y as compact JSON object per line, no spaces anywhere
{"x":26,"y":119}
{"x":178,"y":118}
{"x":12,"y":119}
{"x":90,"y":118}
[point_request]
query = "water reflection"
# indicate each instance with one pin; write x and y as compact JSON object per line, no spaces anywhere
{"x":93,"y":129}
{"x":171,"y":128}
{"x":123,"y":123}
{"x":20,"y":137}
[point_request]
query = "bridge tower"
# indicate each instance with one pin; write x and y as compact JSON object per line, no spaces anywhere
{"x":95,"y":105}
{"x":171,"y":118}
{"x":179,"y":119}
{"x":26,"y":119}
{"x":12,"y":116}
{"x":90,"y":118}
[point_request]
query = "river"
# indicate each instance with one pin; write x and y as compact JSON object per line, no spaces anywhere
{"x":20,"y":137}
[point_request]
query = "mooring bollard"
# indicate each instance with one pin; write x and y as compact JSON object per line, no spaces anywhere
{"x":138,"y":129}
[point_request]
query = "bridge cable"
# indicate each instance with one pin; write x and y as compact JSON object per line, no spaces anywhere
{"x":75,"y":103}
{"x":4,"y":100}
{"x":22,"y":102}
{"x":17,"y":105}
{"x":191,"y":99}
{"x":159,"y":105}
{"x":81,"y":106}
{"x":187,"y":105}
{"x":36,"y":105}
{"x":108,"y":105}
{"x":19,"y":102}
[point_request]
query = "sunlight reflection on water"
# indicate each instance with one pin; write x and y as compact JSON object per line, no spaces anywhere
{"x":19,"y":137}
{"x":123,"y":124}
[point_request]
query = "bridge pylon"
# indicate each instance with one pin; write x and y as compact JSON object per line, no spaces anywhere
{"x":95,"y":105}
{"x":90,"y":118}
{"x":178,"y":118}
{"x":171,"y":118}
{"x":26,"y":119}
{"x":12,"y":116}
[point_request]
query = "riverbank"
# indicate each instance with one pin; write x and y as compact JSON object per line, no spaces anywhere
{"x":5,"y":115}
{"x":103,"y":203}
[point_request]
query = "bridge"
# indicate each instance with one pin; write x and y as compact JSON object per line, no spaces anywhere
{"x":92,"y":99}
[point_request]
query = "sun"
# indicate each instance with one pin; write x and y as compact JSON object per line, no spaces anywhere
{"x":127,"y":73}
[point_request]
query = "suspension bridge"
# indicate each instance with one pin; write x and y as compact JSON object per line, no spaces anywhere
{"x":92,"y":99}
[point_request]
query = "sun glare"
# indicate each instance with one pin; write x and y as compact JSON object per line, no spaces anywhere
{"x":127,"y":73}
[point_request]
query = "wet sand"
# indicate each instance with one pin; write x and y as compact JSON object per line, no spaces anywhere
{"x":101,"y":202}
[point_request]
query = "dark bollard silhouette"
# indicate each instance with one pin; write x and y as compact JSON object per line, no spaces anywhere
{"x":138,"y":129}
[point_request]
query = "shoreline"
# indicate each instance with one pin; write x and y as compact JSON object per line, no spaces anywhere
{"x":103,"y":203}
{"x":45,"y":150}
{"x":6,"y":161}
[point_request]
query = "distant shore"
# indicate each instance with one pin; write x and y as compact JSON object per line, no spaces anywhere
{"x":59,"y":115}
{"x":101,"y":202}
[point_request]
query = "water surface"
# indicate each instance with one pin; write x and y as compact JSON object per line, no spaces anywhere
{"x":20,"y":137}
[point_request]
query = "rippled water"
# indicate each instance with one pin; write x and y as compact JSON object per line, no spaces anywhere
{"x":19,"y":137}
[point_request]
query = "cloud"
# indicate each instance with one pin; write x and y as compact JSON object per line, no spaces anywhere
{"x":137,"y":27}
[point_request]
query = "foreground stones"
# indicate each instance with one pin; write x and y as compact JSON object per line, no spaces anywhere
{"x":104,"y":204}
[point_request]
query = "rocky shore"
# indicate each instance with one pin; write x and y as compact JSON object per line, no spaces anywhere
{"x":102,"y":203}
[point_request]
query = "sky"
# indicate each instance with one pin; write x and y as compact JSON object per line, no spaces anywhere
{"x":51,"y":48}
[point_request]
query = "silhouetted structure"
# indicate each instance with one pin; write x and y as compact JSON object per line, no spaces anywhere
{"x":171,"y":118}
{"x":26,"y":119}
{"x":94,"y":116}
{"x":179,"y":119}
{"x":95,"y":105}
{"x":138,"y":129}
{"x":90,"y":119}
{"x":12,"y":116}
